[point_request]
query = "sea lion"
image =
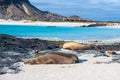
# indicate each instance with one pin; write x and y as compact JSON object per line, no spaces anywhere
{"x":75,"y":46}
{"x":54,"y":58}
{"x":110,"y":52}
{"x":71,"y":56}
{"x":30,"y":61}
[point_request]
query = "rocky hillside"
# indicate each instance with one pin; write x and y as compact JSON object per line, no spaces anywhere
{"x":23,"y":9}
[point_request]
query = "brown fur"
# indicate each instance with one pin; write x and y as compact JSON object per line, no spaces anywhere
{"x":54,"y":58}
{"x":32,"y":61}
{"x":71,"y":56}
{"x":75,"y":46}
{"x":37,"y":55}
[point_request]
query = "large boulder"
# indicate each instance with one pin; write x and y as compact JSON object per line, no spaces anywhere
{"x":75,"y":46}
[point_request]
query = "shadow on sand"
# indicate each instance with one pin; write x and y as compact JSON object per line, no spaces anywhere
{"x":82,"y":60}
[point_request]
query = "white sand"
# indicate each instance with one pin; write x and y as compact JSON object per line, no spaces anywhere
{"x":82,"y":71}
{"x":67,"y":72}
{"x":40,"y":23}
{"x":60,"y":24}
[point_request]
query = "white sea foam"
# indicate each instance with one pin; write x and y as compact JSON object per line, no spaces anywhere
{"x":95,"y":41}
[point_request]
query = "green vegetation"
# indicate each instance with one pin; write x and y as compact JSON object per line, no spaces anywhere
{"x":6,"y":35}
{"x":33,"y":19}
{"x":56,"y":42}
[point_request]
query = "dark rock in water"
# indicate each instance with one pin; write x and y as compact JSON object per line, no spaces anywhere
{"x":96,"y":25}
{"x":23,"y":9}
{"x":12,"y":46}
{"x":24,"y":45}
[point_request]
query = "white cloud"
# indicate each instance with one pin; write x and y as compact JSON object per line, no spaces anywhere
{"x":83,"y":8}
{"x":104,"y":1}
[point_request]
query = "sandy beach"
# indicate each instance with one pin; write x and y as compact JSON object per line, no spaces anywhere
{"x":79,"y":71}
{"x":41,"y":23}
{"x":94,"y":65}
{"x":90,"y":68}
{"x":53,"y":24}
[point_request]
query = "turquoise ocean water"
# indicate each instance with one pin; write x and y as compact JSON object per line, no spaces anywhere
{"x":62,"y":33}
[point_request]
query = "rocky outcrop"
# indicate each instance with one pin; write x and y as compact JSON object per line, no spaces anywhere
{"x":11,"y":43}
{"x":14,"y":49}
{"x":75,"y":18}
{"x":23,"y":9}
{"x":103,"y":48}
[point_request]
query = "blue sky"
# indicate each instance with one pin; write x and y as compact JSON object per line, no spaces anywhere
{"x":102,"y":10}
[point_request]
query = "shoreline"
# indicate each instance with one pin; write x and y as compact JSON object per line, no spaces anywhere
{"x":42,"y":23}
{"x":94,"y":41}
{"x":93,"y":61}
{"x":56,"y":24}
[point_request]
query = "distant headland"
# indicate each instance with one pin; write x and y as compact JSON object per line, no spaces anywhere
{"x":24,"y":10}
